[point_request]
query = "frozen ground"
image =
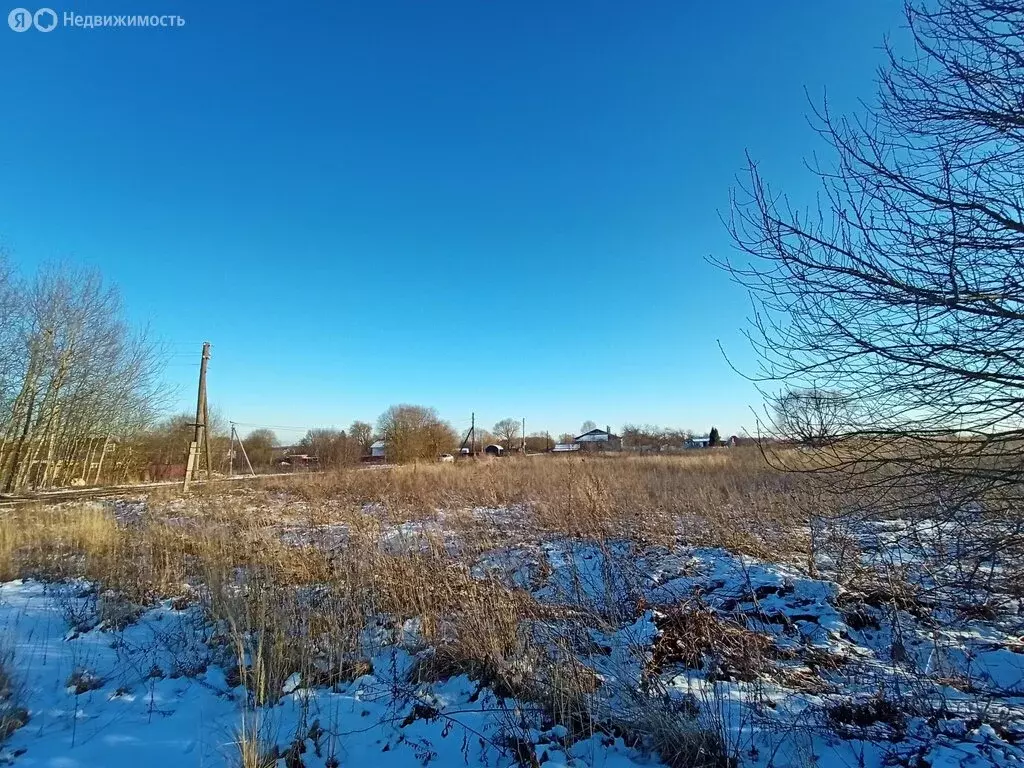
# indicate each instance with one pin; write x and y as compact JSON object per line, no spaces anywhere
{"x":786,"y":669}
{"x":793,"y":670}
{"x":153,"y":694}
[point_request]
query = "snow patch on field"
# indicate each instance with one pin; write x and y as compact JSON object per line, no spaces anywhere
{"x":154,"y":696}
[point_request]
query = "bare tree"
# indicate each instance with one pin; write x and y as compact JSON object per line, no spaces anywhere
{"x":259,"y":447}
{"x":164,"y":446}
{"x":159,"y":452}
{"x":586,"y":426}
{"x":415,"y":432}
{"x":903,"y":291}
{"x":539,"y":442}
{"x":72,"y":374}
{"x":814,"y":417}
{"x":507,"y":430}
{"x":362,"y":434}
{"x":332,"y":447}
{"x":10,"y":322}
{"x":651,"y":437}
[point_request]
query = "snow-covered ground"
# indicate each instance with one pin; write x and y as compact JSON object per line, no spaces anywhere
{"x":834,"y":680}
{"x":782,"y":668}
{"x":152,"y":694}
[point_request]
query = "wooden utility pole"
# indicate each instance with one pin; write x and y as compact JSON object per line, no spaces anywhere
{"x":231,"y":455}
{"x":201,"y":434}
{"x":470,"y":438}
{"x":245,"y":455}
{"x":231,"y":451}
{"x":524,"y":437}
{"x":206,"y":433}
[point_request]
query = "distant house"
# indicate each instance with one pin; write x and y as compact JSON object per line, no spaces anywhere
{"x":494,"y":450}
{"x":705,"y":442}
{"x":565,"y":447}
{"x":378,"y":449}
{"x":599,"y":440}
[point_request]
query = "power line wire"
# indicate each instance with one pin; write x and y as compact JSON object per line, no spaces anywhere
{"x":273,"y":426}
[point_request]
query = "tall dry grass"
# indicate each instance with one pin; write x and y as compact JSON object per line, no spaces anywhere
{"x":12,"y":715}
{"x":730,"y":497}
{"x":302,"y":606}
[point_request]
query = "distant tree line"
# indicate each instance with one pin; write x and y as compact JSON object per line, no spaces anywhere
{"x":653,"y":437}
{"x":650,"y":437}
{"x":411,"y":433}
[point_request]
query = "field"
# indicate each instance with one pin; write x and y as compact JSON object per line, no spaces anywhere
{"x":697,"y":610}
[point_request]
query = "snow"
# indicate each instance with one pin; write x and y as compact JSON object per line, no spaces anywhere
{"x":805,"y":670}
{"x":157,"y":698}
{"x":790,"y":711}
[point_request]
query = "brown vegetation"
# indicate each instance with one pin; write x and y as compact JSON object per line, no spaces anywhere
{"x":12,"y":715}
{"x":728,"y":498}
{"x":292,"y":570}
{"x":295,"y":570}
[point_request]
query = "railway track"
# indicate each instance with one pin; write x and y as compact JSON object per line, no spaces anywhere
{"x":113,"y":491}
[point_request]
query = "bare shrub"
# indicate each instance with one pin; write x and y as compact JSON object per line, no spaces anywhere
{"x":681,"y":741}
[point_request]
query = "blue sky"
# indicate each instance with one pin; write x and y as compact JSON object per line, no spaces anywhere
{"x":480,"y":206}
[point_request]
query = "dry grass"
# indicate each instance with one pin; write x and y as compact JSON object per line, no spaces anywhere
{"x":697,"y":637}
{"x":12,"y":715}
{"x":308,"y":576}
{"x":303,"y":606}
{"x":253,"y":749}
{"x":729,"y":498}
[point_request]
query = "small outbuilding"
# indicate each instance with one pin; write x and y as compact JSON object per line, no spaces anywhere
{"x":494,"y":450}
